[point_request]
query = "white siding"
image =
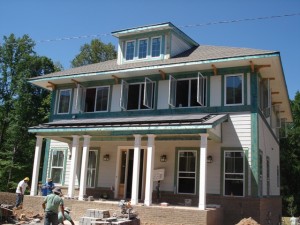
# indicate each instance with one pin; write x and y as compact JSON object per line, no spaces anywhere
{"x":269,"y":148}
{"x":163,"y":94}
{"x":215,"y":91}
{"x":115,"y":98}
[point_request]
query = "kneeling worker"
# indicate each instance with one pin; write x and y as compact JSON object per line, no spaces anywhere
{"x":66,"y":216}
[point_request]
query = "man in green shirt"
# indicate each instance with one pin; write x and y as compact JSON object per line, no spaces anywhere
{"x":50,"y":205}
{"x":66,"y":216}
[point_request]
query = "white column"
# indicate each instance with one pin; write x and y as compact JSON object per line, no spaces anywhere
{"x":74,"y":155}
{"x":136,"y":170}
{"x":36,"y":165}
{"x":149,"y":170}
{"x":84,"y":164}
{"x":202,"y":178}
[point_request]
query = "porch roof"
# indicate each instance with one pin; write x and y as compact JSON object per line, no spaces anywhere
{"x":190,"y":123}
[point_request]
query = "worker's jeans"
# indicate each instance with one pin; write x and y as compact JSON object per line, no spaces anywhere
{"x":51,"y":218}
{"x":19,"y":199}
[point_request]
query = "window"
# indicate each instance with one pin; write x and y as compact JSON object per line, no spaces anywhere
{"x":57,"y":165}
{"x":187,"y":92}
{"x":64,"y":101}
{"x":265,"y":97}
{"x":91,"y":169}
{"x":234,"y":89}
{"x":186,"y":174}
{"x":155,"y":51}
{"x":130,"y":50}
{"x":234,"y":169}
{"x":96,"y":99}
{"x":143,"y":46}
{"x":137,"y":95}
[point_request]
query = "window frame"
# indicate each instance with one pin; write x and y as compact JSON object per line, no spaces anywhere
{"x":242,"y":89}
{"x":195,"y":172}
{"x":201,"y":96}
{"x":94,"y":169}
{"x":62,"y":168}
{"x":225,"y":173}
{"x":96,"y":97}
{"x":126,"y":49}
{"x":160,"y":46}
{"x":59,"y":100}
{"x":139,"y":50}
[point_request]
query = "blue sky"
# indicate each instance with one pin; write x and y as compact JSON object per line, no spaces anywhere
{"x":63,"y":19}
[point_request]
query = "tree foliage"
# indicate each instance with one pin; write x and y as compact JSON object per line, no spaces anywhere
{"x":290,"y":159}
{"x":94,"y":52}
{"x":22,"y":105}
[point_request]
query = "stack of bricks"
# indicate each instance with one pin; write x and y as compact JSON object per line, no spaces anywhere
{"x":93,"y":215}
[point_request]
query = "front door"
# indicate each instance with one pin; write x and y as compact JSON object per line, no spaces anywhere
{"x":125,"y":173}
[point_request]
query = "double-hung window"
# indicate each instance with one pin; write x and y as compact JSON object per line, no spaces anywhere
{"x":143,"y":46}
{"x":137,"y":96}
{"x":155,"y":46}
{"x":57,"y":165}
{"x":91,"y":169}
{"x":64,"y":100}
{"x":96,"y":99}
{"x":187,"y":92}
{"x":186,"y":173}
{"x":234,"y":89}
{"x":234,"y":173}
{"x":130,"y":46}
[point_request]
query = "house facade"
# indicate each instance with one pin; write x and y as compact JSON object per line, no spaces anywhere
{"x":168,"y":120}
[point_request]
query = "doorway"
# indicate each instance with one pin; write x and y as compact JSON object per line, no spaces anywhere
{"x":125,"y":173}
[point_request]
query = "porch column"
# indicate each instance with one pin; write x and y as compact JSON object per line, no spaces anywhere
{"x":149,"y":170}
{"x":75,"y":148}
{"x":136,"y":170}
{"x":84,"y":164}
{"x":36,"y":165}
{"x":202,"y":178}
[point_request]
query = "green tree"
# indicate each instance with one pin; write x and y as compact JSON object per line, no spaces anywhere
{"x":21,"y":105}
{"x":290,"y":160}
{"x":94,"y":52}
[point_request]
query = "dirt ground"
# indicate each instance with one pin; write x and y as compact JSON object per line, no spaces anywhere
{"x":247,"y":221}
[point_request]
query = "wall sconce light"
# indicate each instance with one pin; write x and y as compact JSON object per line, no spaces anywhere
{"x":163,"y":158}
{"x":209,"y":159}
{"x":106,"y":157}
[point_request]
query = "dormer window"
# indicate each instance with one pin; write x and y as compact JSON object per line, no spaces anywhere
{"x":143,"y":46}
{"x":130,"y":50}
{"x":155,"y":46}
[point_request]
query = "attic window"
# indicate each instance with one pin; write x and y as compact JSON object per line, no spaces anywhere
{"x":155,"y":46}
{"x":130,"y":50}
{"x":143,"y":45}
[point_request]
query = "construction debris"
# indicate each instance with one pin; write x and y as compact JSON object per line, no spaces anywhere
{"x":247,"y":221}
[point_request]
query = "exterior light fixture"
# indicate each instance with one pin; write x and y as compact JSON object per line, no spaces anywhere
{"x":163,"y":158}
{"x":209,"y":159}
{"x":106,"y":157}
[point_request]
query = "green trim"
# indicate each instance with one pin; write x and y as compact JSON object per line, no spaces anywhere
{"x":46,"y":160}
{"x":246,"y":173}
{"x":207,"y":91}
{"x":197,"y":149}
{"x":245,"y":89}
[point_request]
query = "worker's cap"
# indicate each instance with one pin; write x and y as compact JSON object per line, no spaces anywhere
{"x":57,"y":190}
{"x":26,"y":178}
{"x":49,"y":179}
{"x":67,"y":209}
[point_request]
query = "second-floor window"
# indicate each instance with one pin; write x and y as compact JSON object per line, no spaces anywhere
{"x":64,"y":100}
{"x":234,"y":89}
{"x":130,"y":50}
{"x":137,"y":96}
{"x":96,"y":99}
{"x":187,"y":92}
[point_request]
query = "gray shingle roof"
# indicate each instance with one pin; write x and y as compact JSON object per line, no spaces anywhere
{"x":200,"y":53}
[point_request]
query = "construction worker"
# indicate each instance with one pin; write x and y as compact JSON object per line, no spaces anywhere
{"x":23,"y":184}
{"x":67,"y":216}
{"x":51,"y":204}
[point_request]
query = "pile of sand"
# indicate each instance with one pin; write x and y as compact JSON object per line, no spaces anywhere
{"x":248,"y":221}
